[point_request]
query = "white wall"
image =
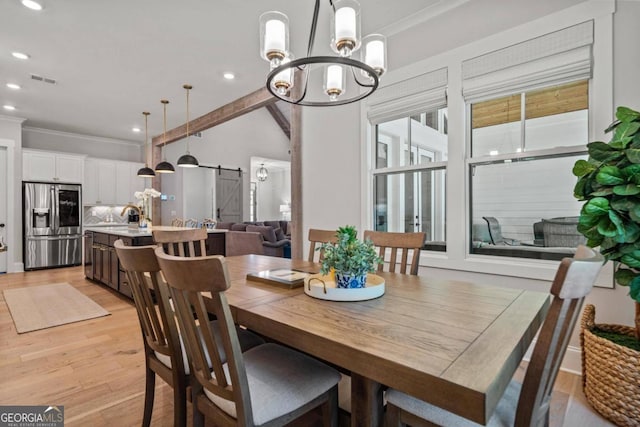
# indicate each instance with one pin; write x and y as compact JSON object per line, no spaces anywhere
{"x":331,"y":170}
{"x":230,"y":145}
{"x":93,"y":146}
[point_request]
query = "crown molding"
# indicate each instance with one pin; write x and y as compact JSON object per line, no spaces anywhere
{"x":421,"y":16}
{"x":12,"y":119}
{"x":99,"y":139}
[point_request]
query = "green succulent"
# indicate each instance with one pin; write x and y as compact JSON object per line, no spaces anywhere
{"x":609,"y":183}
{"x":349,"y":255}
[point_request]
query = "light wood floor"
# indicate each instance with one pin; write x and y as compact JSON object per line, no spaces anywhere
{"x":95,"y":368}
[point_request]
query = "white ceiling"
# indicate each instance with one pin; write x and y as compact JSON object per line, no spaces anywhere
{"x":114,"y":59}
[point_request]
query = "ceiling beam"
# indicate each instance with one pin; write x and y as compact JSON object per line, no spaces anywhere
{"x":258,"y":99}
{"x":280,"y":119}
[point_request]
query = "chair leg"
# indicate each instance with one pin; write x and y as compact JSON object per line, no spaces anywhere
{"x":197,"y":416}
{"x":329,"y":409}
{"x":392,"y":417}
{"x":179,"y":406}
{"x":150,"y":388}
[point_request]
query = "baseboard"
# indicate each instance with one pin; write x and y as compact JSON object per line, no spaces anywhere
{"x":18,"y":267}
{"x":572,"y":361}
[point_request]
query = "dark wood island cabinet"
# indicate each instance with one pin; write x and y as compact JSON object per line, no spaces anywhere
{"x":101,"y":262}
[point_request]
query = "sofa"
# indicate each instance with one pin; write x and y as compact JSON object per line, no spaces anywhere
{"x":275,"y":240}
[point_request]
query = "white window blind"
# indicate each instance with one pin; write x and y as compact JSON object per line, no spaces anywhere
{"x":553,"y":59}
{"x":408,"y":97}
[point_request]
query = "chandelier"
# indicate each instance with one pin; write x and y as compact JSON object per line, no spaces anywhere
{"x":262,"y":173}
{"x":339,"y":72}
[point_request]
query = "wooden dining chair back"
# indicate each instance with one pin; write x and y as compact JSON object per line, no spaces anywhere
{"x":405,"y":242}
{"x":527,"y":404}
{"x":184,"y":243}
{"x":177,"y":222}
{"x":159,"y":329}
{"x":267,"y":385}
{"x":320,"y":237}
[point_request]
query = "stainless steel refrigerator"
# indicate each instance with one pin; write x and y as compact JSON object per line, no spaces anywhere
{"x":52,"y":224}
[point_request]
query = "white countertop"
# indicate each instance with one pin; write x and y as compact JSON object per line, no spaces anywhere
{"x":125,"y":231}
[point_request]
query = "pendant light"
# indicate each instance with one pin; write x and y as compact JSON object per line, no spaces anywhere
{"x":146,"y":171}
{"x":187,"y":160}
{"x":164,"y":166}
{"x":262,"y":173}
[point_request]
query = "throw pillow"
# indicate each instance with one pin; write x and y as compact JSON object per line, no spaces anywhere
{"x":279,"y":234}
{"x":268,"y":234}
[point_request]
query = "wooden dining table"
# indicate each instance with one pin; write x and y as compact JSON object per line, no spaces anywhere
{"x":451,"y":343}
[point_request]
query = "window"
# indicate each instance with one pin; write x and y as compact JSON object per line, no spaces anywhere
{"x":523,"y":149}
{"x":409,"y":176}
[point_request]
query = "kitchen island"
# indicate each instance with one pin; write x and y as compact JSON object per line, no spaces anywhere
{"x":101,"y":262}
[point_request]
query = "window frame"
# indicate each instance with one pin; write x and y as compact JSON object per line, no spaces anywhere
{"x":458,"y":230}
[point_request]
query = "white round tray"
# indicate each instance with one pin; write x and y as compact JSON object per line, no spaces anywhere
{"x":324,"y":287}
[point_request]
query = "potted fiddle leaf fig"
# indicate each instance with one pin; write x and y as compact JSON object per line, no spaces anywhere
{"x":609,"y":184}
{"x":350,"y":258}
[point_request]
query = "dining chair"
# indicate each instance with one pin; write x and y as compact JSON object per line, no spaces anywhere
{"x":320,"y":236}
{"x":267,"y":385}
{"x":177,"y":222}
{"x":191,"y":223}
{"x":404,"y":241}
{"x":189,"y":243}
{"x":163,"y":346}
{"x":525,"y":404}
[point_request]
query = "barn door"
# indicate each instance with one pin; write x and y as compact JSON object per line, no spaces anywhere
{"x":228,"y":195}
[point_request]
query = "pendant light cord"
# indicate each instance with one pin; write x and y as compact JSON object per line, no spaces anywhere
{"x":146,"y":139}
{"x":187,"y":87}
{"x":164,"y":131}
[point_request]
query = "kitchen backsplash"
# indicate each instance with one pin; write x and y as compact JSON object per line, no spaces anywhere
{"x":93,"y":215}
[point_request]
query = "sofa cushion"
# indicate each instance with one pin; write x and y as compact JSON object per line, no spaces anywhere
{"x":279,"y":234}
{"x":239,"y":227}
{"x":268,"y":233}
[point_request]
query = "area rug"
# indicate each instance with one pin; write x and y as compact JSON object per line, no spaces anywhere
{"x":41,"y":307}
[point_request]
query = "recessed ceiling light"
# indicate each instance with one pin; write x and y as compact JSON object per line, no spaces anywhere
{"x":229,"y":76}
{"x":9,"y":107}
{"x":20,"y":55}
{"x":32,"y":4}
{"x":13,"y":86}
{"x":136,"y":130}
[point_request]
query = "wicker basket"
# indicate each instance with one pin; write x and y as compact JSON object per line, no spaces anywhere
{"x":610,"y":372}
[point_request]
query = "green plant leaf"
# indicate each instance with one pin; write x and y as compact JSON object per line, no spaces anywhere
{"x":626,"y":114}
{"x":600,"y":151}
{"x":626,"y":189}
{"x":604,"y":191}
{"x":596,"y":206}
{"x":634,"y":289}
{"x":624,"y":276}
{"x":618,"y":222}
{"x":578,"y":189}
{"x":610,"y":175}
{"x":607,"y":228}
{"x":633,"y":154}
{"x":626,"y":131}
{"x":634,"y":213}
{"x":630,"y":261}
{"x":622,"y":204}
{"x":632,"y":232}
{"x":582,"y":167}
{"x":612,"y":126}
{"x":631,"y":172}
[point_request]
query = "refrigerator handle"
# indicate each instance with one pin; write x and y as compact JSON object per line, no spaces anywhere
{"x":55,"y":218}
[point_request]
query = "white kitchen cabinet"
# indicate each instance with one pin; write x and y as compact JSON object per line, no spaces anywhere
{"x":52,"y":167}
{"x":111,"y":182}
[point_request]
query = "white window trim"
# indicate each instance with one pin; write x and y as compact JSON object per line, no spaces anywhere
{"x":457,"y":256}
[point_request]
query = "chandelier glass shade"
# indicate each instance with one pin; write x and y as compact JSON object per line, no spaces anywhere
{"x":345,"y":79}
{"x":164,"y":166}
{"x":146,"y":171}
{"x":187,"y":160}
{"x":262,"y":173}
